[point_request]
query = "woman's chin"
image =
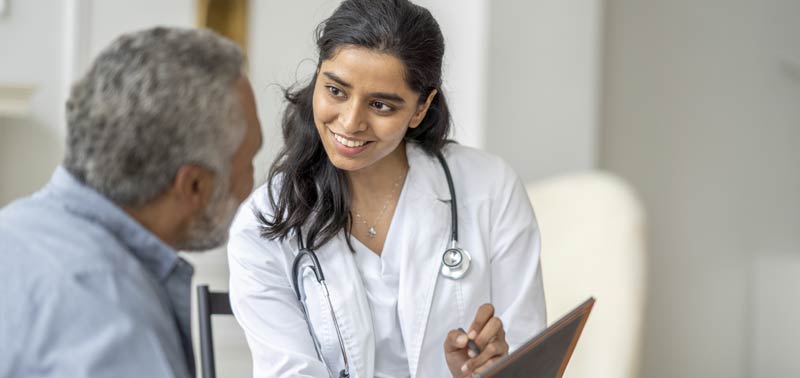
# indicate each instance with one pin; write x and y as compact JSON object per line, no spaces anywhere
{"x":347,"y":164}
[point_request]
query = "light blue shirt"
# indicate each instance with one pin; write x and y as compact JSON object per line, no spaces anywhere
{"x":86,"y":291}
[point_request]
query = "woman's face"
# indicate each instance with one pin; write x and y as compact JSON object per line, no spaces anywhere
{"x":363,"y":107}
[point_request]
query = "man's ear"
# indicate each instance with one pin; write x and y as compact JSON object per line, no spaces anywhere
{"x":422,"y":110}
{"x":193,"y":187}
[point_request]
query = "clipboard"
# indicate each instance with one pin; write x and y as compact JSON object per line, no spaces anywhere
{"x":547,"y":354}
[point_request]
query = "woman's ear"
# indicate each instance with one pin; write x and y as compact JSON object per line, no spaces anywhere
{"x":422,"y":110}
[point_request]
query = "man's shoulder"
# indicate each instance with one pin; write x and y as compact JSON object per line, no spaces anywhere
{"x":45,"y":263}
{"x":102,"y":313}
{"x":56,"y":262}
{"x":39,"y":236}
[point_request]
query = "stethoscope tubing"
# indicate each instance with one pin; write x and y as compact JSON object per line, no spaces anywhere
{"x":453,"y":204}
{"x":299,"y":289}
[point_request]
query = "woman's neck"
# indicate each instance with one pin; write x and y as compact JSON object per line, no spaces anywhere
{"x":378,"y":180}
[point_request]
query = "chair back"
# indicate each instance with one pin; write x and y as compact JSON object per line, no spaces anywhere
{"x":209,"y":303}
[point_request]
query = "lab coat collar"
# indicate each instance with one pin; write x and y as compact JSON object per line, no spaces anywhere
{"x":427,"y":176}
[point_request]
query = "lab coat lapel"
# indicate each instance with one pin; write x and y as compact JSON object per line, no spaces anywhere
{"x":425,"y":229}
{"x":350,"y":304}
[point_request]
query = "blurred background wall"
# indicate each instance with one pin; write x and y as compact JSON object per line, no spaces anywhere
{"x":32,"y":50}
{"x":701,"y":113}
{"x":696,"y":104}
{"x":542,"y":84}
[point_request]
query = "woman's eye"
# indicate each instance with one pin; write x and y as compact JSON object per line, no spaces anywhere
{"x":335,"y":91}
{"x":381,"y":107}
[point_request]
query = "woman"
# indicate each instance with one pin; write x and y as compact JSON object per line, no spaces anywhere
{"x":359,"y":183}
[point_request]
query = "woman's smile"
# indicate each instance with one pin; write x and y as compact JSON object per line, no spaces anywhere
{"x":349,"y":146}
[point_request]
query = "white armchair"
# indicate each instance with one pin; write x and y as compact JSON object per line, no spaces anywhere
{"x":593,"y":244}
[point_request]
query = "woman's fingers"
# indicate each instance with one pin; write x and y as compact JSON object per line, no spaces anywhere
{"x":454,"y":345}
{"x":493,"y":350}
{"x":455,"y":341}
{"x":490,"y":336}
{"x":485,"y":312}
{"x":492,"y":328}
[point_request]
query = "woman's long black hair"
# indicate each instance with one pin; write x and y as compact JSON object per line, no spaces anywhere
{"x":305,"y":189}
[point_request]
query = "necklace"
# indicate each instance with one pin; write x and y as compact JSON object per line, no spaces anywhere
{"x":371,"y":231}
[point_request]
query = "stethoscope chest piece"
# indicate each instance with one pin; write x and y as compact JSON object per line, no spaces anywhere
{"x":455,"y":263}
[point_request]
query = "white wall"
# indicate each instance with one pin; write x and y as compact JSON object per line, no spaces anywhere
{"x":702,"y":114}
{"x":542,"y":84}
{"x":30,"y":44}
{"x":110,"y":18}
{"x":466,"y":43}
{"x":30,"y":39}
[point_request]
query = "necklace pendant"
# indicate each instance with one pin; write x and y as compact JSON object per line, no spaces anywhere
{"x":371,"y":232}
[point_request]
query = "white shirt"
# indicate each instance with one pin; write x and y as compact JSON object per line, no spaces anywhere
{"x":496,"y":225}
{"x":381,"y":280}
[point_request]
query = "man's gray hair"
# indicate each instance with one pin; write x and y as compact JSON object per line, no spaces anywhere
{"x":153,"y":101}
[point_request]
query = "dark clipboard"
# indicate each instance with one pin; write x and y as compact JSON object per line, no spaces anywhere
{"x":547,"y":354}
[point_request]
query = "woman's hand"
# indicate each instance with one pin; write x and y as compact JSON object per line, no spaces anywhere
{"x":487,"y":332}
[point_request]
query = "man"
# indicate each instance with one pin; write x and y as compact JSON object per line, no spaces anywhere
{"x":161,"y":134}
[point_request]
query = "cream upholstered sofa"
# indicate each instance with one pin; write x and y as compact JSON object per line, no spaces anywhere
{"x":593,"y":244}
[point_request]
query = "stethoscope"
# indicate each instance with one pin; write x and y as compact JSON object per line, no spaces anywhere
{"x":455,"y":265}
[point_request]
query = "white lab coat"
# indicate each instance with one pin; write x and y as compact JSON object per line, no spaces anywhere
{"x":496,"y":225}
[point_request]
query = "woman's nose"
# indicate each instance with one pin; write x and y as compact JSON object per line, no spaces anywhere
{"x":352,"y":118}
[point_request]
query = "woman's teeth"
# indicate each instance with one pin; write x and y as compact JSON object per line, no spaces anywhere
{"x":348,"y":142}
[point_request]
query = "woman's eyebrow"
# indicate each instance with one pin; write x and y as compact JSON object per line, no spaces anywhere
{"x":337,"y":79}
{"x":388,"y":96}
{"x":381,"y":95}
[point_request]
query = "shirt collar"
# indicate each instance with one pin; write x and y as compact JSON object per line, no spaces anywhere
{"x":154,"y":254}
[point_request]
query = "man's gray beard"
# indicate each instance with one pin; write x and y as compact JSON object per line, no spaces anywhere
{"x":210,"y":229}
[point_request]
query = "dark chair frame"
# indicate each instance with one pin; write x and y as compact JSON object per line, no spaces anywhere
{"x":209,"y":303}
